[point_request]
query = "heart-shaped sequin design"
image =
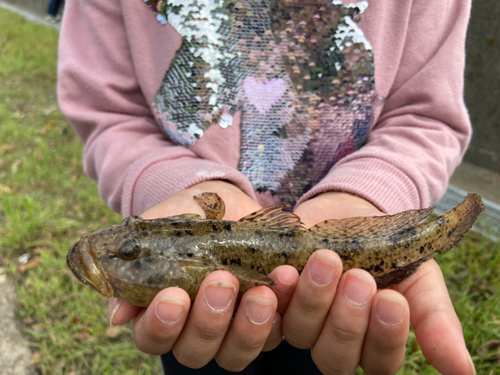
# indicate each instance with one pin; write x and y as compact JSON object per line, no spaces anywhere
{"x":263,"y":95}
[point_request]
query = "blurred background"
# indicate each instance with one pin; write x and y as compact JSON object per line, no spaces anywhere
{"x":51,"y":324}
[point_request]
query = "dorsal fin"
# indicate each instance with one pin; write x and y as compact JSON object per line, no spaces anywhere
{"x":183,"y":217}
{"x":212,"y":204}
{"x":163,"y":220}
{"x":370,"y":226}
{"x":271,"y":218}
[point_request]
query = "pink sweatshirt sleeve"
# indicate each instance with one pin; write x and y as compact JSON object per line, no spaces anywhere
{"x":423,"y":127}
{"x":134,"y":163}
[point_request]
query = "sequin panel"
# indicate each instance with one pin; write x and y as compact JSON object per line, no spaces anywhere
{"x":301,"y":72}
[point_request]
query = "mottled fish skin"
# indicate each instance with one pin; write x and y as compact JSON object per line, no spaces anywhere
{"x":136,"y":259}
{"x":382,"y":253}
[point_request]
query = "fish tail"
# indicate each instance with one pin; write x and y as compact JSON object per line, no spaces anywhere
{"x":463,"y":217}
{"x":452,"y":226}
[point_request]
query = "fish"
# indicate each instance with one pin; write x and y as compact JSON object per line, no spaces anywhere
{"x":136,"y":259}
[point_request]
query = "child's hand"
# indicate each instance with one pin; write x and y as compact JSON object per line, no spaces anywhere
{"x":204,"y":331}
{"x":341,"y":334}
{"x":345,"y":327}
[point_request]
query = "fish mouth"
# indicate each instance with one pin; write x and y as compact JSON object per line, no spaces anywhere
{"x":85,"y":268}
{"x":78,"y":268}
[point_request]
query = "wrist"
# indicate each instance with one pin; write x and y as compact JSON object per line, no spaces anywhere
{"x":335,"y":205}
{"x":340,"y":198}
{"x":237,"y":203}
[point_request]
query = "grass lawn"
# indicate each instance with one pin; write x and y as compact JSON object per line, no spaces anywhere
{"x":47,"y":203}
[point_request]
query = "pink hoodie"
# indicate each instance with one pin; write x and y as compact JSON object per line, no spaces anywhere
{"x":131,"y":103}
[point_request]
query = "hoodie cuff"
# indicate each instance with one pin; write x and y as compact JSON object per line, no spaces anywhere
{"x":375,"y":180}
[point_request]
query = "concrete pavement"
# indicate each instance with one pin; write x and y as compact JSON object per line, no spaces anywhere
{"x":470,"y":178}
{"x":15,"y":355}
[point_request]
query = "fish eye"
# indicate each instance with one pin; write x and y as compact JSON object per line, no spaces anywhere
{"x":129,"y":250}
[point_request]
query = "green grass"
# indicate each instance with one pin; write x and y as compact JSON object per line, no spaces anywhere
{"x":47,"y":203}
{"x":472,"y":275}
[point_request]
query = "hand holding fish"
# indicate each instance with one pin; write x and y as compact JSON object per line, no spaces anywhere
{"x":354,"y":324}
{"x":340,"y":317}
{"x":172,"y":323}
{"x":438,"y":330}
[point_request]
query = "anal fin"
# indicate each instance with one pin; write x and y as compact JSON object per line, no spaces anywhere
{"x":395,"y":277}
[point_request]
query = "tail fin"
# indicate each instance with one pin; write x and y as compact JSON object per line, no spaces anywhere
{"x":456,"y":221}
{"x":466,"y":213}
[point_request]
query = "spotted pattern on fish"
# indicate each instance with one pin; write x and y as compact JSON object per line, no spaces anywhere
{"x":136,"y":259}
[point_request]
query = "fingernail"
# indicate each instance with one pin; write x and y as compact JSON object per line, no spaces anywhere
{"x":322,"y":269}
{"x":287,"y":283}
{"x":357,"y":288}
{"x":219,"y":295}
{"x":169,"y":310}
{"x":276,"y":323}
{"x":472,"y":364}
{"x":114,"y":305}
{"x":258,"y":310}
{"x":390,"y":310}
{"x":283,"y":286}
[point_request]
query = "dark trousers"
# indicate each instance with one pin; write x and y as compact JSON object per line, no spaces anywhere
{"x":54,"y":6}
{"x":285,"y":359}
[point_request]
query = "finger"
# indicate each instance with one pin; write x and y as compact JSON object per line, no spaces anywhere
{"x":275,"y":336}
{"x":157,"y":327}
{"x":338,"y":348}
{"x":437,"y":327}
{"x":385,"y":342}
{"x":121,"y":312}
{"x":286,"y":278}
{"x":249,"y":330}
{"x":208,"y":321}
{"x":311,"y":301}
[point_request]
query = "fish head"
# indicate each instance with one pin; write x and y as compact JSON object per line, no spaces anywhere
{"x":119,"y":261}
{"x":88,"y":259}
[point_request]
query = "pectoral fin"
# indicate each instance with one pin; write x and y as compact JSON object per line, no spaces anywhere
{"x":212,"y":204}
{"x":187,"y":274}
{"x":248,"y":278}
